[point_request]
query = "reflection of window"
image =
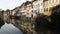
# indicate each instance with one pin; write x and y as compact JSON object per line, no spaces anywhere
{"x":45,"y":9}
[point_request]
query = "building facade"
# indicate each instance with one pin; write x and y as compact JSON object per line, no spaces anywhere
{"x":31,"y":9}
{"x":37,"y":7}
{"x":48,"y":5}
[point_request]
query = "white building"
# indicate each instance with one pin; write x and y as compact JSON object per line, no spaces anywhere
{"x":37,"y":7}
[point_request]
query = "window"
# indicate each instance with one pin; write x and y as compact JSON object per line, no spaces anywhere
{"x":46,"y":2}
{"x":36,"y":11}
{"x":49,"y":1}
{"x":58,"y":1}
{"x":50,"y":9}
{"x":43,"y":3}
{"x":52,"y":1}
{"x":45,"y":9}
{"x":38,"y":5}
{"x":27,"y":13}
{"x":41,"y":10}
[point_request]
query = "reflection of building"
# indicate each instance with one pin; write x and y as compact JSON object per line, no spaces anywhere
{"x":5,"y":15}
{"x":1,"y":14}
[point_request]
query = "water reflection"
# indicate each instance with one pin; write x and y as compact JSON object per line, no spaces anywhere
{"x":22,"y":24}
{"x":9,"y":29}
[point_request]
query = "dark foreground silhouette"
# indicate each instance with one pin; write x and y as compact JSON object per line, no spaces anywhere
{"x":44,"y":25}
{"x":41,"y":24}
{"x":1,"y":22}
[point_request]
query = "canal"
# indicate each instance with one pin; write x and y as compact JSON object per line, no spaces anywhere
{"x":9,"y":29}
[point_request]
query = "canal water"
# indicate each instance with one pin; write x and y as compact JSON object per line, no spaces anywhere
{"x":9,"y":29}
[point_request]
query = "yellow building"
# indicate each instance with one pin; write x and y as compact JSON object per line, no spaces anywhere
{"x":48,"y":5}
{"x":44,"y":6}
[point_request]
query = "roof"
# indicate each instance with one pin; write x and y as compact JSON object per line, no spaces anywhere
{"x":24,"y":4}
{"x":27,"y":2}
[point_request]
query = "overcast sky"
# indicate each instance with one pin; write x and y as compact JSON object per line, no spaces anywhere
{"x":10,"y":4}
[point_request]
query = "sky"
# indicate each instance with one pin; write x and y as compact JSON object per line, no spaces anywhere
{"x":10,"y":4}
